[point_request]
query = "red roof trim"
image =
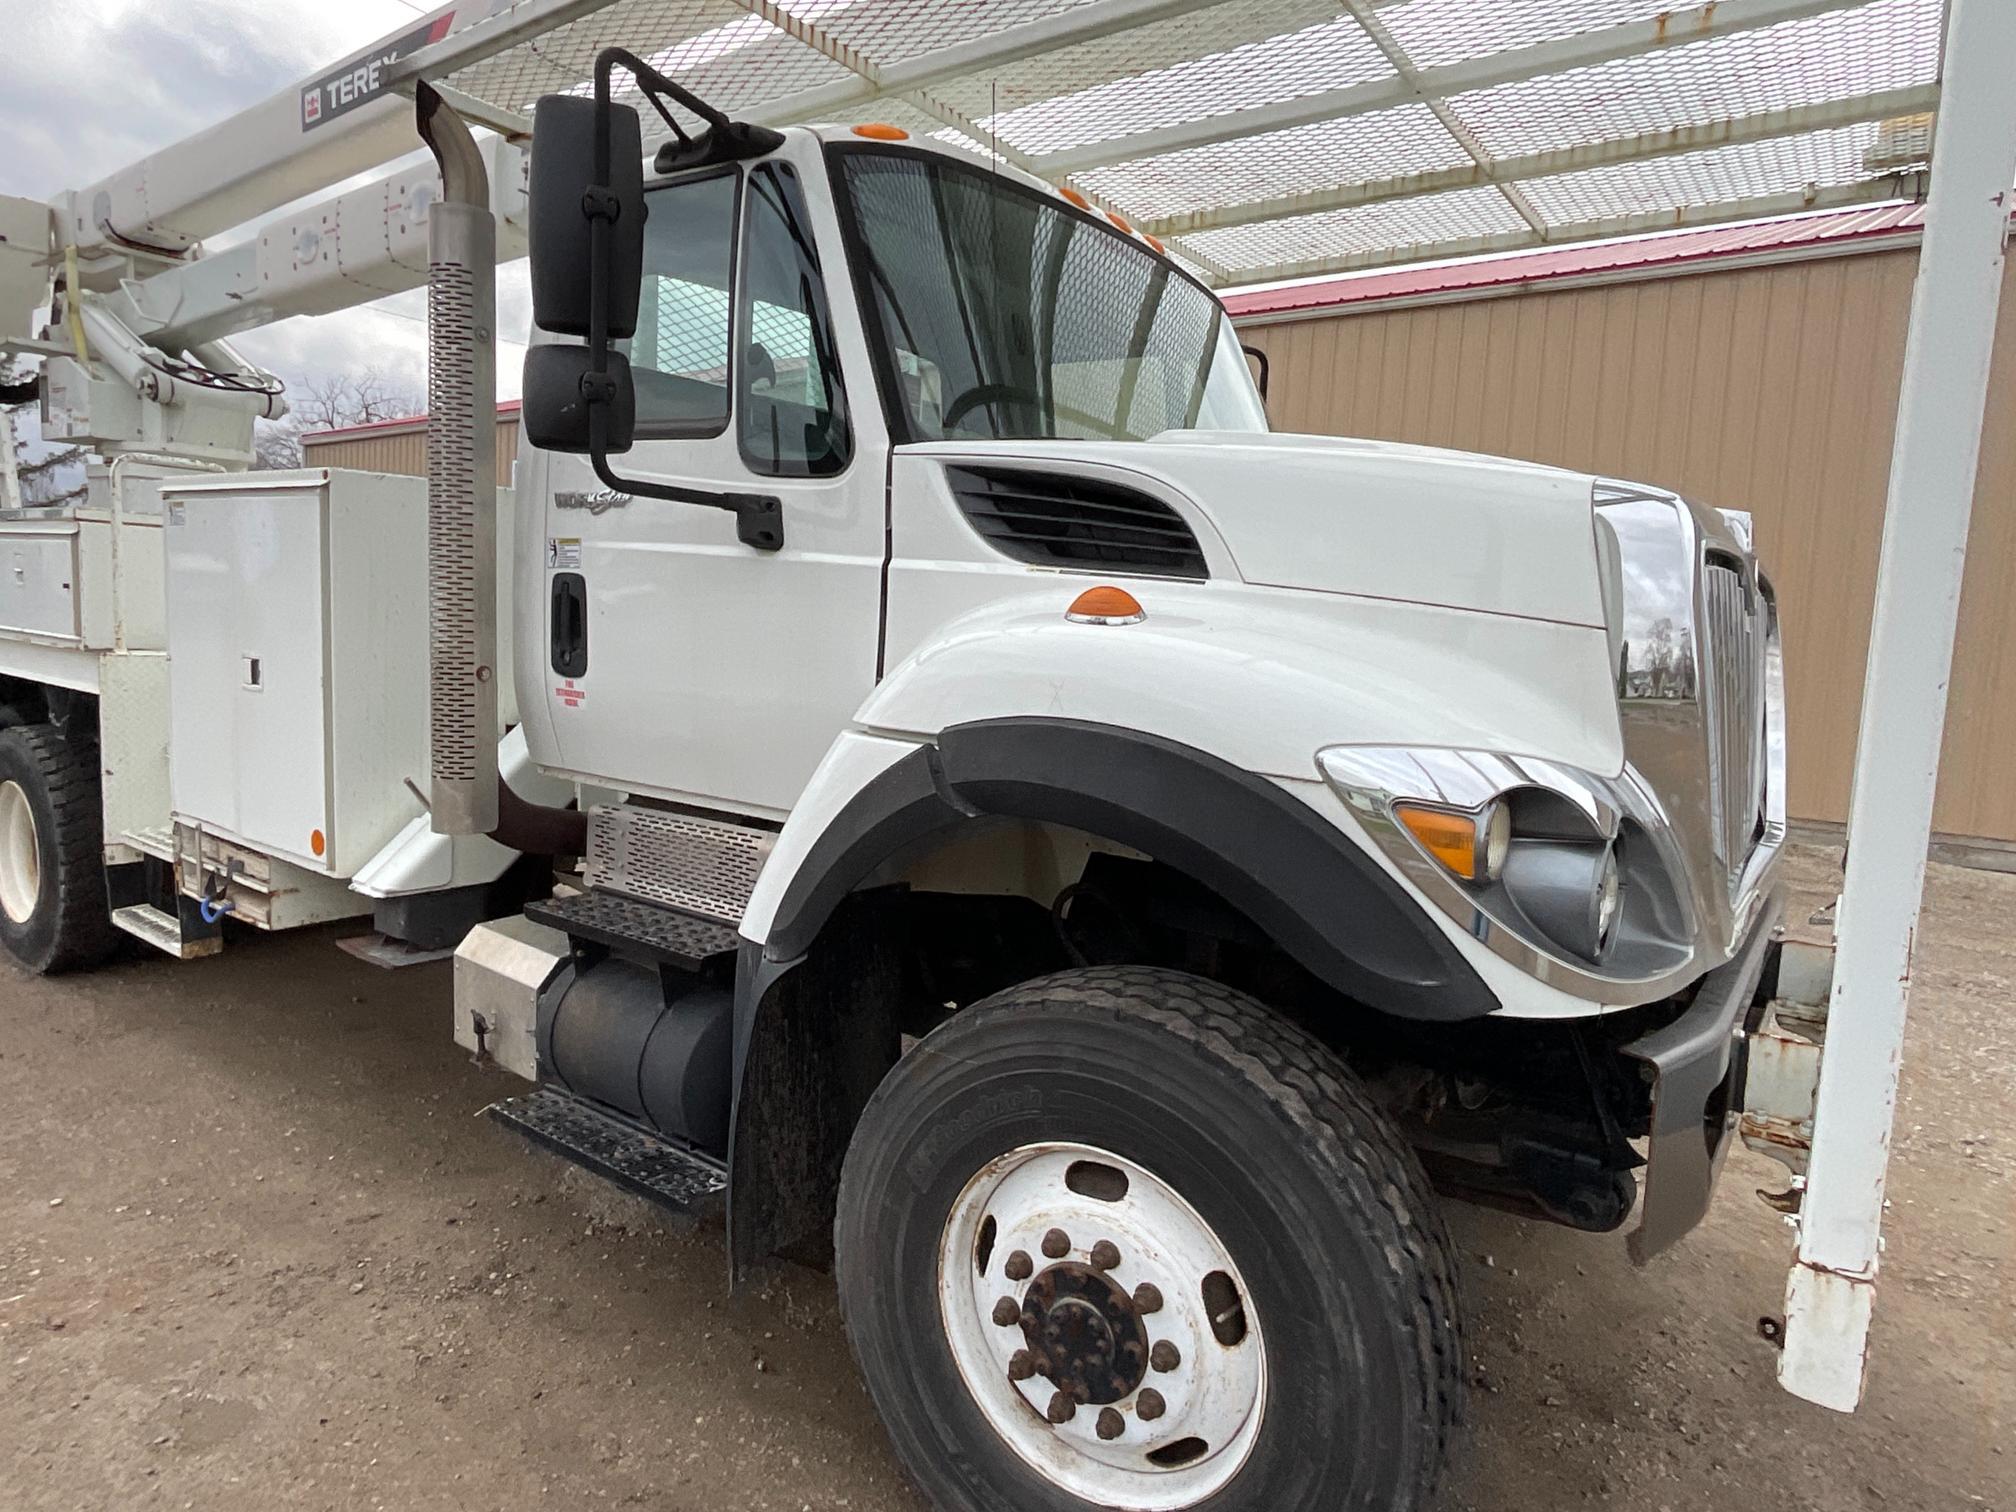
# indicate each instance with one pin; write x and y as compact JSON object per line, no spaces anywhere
{"x":1638,"y":255}
{"x":403,"y":424}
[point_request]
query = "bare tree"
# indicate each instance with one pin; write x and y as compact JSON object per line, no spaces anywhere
{"x":43,"y":475}
{"x":332,"y":401}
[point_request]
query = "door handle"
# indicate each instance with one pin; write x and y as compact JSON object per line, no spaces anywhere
{"x":570,"y":624}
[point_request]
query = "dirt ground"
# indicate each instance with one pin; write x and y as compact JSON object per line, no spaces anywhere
{"x":257,"y":1250}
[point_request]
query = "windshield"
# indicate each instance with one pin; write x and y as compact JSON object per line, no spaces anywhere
{"x":1000,"y":311}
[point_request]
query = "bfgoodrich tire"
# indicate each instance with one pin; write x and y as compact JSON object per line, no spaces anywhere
{"x":53,"y":912}
{"x":1121,"y":1237}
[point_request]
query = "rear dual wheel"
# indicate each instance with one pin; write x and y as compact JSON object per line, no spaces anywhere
{"x":53,"y":913}
{"x":1122,"y":1238}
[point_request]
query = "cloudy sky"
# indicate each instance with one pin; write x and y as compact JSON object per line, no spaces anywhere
{"x":87,"y":86}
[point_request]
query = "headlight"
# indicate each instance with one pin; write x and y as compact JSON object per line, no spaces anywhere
{"x":1570,"y":891}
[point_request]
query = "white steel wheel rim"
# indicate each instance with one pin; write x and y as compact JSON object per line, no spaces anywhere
{"x":20,"y":855}
{"x":1214,"y":1395}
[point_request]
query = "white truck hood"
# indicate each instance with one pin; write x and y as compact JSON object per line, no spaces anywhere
{"x":1369,"y":518}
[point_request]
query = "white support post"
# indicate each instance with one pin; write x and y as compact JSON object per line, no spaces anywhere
{"x":1932,"y":472}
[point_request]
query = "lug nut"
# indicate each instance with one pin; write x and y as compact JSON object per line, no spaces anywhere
{"x":1147,"y":1298}
{"x":1111,"y":1424}
{"x":1022,"y":1366}
{"x":1008,"y":1312}
{"x":1056,"y":1244}
{"x":1149,"y":1405}
{"x":1165,"y":1357}
{"x":1105,"y":1255}
{"x":1018,"y":1266}
{"x":1062,"y":1408}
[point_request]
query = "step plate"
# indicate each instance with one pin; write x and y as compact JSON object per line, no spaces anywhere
{"x":163,"y":931}
{"x":623,"y":923}
{"x":649,"y":1166}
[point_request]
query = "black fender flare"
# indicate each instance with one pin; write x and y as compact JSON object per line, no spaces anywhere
{"x":1315,"y":892}
{"x":816,"y":1029}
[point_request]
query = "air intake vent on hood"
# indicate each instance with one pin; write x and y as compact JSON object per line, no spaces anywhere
{"x":1058,"y":520}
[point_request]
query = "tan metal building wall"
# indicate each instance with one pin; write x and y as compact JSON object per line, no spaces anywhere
{"x":1772,"y":389}
{"x":398,"y":447}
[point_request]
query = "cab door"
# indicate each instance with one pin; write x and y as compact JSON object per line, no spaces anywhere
{"x":680,"y":662}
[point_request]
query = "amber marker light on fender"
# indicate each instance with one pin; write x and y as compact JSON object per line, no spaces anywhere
{"x":1105,"y":605}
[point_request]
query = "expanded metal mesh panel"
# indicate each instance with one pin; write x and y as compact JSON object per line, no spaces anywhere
{"x":1287,"y":67}
{"x":1386,"y":144}
{"x":1435,"y":32}
{"x":1788,"y":165}
{"x":561,"y":60}
{"x":1205,"y":32}
{"x":698,"y":865}
{"x":890,"y":31}
{"x":1887,"y":45}
{"x":1236,"y":92}
{"x":1423,"y":223}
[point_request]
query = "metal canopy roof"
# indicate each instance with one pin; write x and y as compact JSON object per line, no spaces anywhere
{"x":1267,"y":139}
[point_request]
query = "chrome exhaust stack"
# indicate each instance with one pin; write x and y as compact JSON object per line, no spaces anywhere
{"x":461,"y":478}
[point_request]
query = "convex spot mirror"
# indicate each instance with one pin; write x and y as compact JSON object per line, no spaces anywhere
{"x":555,"y":404}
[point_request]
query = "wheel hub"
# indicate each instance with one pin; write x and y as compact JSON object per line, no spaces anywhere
{"x":20,"y":855}
{"x":1102,"y":1328}
{"x":1087,"y":1337}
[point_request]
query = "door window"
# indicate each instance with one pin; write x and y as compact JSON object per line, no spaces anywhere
{"x":792,"y":410}
{"x":680,"y":355}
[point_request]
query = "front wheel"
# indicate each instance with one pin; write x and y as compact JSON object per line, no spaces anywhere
{"x":1122,"y":1238}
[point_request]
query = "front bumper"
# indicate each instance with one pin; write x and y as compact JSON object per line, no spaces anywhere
{"x":1695,"y":1066}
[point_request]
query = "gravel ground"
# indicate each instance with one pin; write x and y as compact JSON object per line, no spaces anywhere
{"x":256,"y":1251}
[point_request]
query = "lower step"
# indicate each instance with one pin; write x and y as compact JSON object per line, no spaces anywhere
{"x":163,"y":931}
{"x":651,"y":1167}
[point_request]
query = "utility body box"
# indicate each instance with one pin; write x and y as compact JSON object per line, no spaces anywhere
{"x":297,"y":628}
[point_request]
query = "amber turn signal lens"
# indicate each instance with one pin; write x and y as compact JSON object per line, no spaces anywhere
{"x":1106,"y":605}
{"x":881,"y":131}
{"x":317,"y":842}
{"x":1449,"y":837}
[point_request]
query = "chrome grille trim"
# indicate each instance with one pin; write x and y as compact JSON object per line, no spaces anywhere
{"x":702,"y":866}
{"x":1734,"y":631}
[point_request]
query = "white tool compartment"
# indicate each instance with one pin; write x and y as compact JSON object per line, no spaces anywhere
{"x":297,"y":633}
{"x":38,"y":573}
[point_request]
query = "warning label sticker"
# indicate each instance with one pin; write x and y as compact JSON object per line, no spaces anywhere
{"x":563,"y":552}
{"x":570,"y":695}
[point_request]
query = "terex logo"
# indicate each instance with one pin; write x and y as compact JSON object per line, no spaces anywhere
{"x":343,"y":89}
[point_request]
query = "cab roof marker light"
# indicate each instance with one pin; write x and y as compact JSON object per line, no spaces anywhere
{"x":881,"y":131}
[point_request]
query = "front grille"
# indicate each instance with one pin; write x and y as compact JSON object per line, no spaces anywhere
{"x":1062,"y":520}
{"x":1733,"y":649}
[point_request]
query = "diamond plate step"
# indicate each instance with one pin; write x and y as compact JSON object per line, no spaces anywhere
{"x":649,"y":1166}
{"x":701,"y":866}
{"x":626,"y":924}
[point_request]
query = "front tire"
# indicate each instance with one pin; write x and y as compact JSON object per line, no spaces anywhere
{"x":1121,"y":1237}
{"x":53,"y":911}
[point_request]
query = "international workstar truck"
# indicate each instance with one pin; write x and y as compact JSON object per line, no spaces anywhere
{"x":981,"y":796}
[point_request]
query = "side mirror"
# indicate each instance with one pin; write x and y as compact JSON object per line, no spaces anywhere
{"x":555,"y":406}
{"x":566,"y":197}
{"x":585,"y":229}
